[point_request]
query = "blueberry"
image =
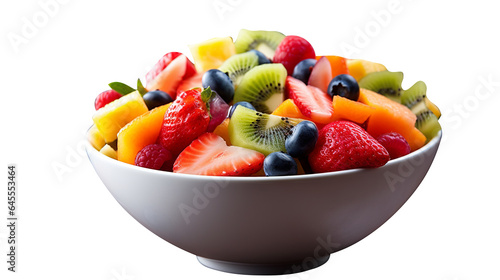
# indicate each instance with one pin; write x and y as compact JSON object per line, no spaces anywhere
{"x":262,"y":58}
{"x":219,"y":82}
{"x":302,"y":140}
{"x":344,"y":85}
{"x":279,"y":164}
{"x":302,"y":70}
{"x":156,"y":98}
{"x":242,"y":103}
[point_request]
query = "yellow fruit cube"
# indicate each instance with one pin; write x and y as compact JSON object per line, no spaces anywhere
{"x":115,"y":115}
{"x":95,"y":138}
{"x":212,"y":53}
{"x":358,"y":68}
{"x":108,"y":151}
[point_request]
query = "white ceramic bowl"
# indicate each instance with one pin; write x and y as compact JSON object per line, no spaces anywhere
{"x":264,"y":225}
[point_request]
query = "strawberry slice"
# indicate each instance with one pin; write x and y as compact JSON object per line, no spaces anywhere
{"x":321,"y":74}
{"x":209,"y":155}
{"x":164,"y":62}
{"x":190,"y":83}
{"x":312,"y":101}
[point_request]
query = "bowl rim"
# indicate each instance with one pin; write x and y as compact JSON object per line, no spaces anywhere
{"x":434,"y":142}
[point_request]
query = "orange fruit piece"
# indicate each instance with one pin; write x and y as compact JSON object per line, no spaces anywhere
{"x":337,"y":63}
{"x":222,"y":131}
{"x":139,"y":133}
{"x":346,"y":109}
{"x":390,"y":116}
{"x":288,"y":109}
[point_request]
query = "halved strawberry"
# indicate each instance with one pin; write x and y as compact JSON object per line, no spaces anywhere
{"x":312,"y":101}
{"x":169,"y":78}
{"x":209,"y":155}
{"x":190,"y":83}
{"x":321,"y":74}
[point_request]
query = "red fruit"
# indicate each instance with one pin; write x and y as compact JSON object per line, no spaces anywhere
{"x":190,"y":83}
{"x":321,"y":74}
{"x":164,"y":62}
{"x":311,"y":101}
{"x":106,"y":97}
{"x":291,"y":51}
{"x":395,"y":144}
{"x":345,"y":145}
{"x":153,"y":156}
{"x":209,"y":155}
{"x":185,"y":120}
{"x":169,"y":79}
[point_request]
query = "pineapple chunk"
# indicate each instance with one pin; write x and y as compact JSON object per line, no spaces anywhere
{"x":358,"y":68}
{"x":108,"y":151}
{"x":212,"y":53}
{"x":95,"y":138}
{"x":115,"y":115}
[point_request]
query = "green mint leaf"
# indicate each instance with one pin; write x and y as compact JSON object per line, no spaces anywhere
{"x":207,"y":94}
{"x":121,"y":88}
{"x":142,"y":90}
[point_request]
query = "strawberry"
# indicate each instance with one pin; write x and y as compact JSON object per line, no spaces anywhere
{"x":186,"y":119}
{"x":291,"y":51}
{"x":209,"y":155}
{"x":164,"y":62}
{"x":106,"y":97}
{"x":311,"y":101}
{"x":345,"y":145}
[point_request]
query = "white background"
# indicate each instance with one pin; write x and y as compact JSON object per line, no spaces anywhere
{"x":70,"y":227}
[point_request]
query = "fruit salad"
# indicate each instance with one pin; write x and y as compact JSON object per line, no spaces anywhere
{"x":264,"y":104}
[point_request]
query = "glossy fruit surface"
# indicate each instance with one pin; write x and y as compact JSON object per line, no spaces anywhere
{"x":279,"y":164}
{"x":292,"y":50}
{"x":344,"y":85}
{"x":156,"y":98}
{"x":303,"y":139}
{"x":209,"y":155}
{"x":302,"y":71}
{"x":186,"y":119}
{"x":219,"y":82}
{"x":345,"y":145}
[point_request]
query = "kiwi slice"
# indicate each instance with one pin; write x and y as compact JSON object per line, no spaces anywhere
{"x":237,"y":65}
{"x":263,"y":87}
{"x":259,"y":131}
{"x":263,"y":41}
{"x":415,"y":98}
{"x":426,"y":122}
{"x":384,"y":82}
{"x":414,"y":95}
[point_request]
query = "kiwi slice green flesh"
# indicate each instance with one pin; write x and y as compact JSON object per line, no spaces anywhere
{"x":426,"y":122}
{"x":263,"y":87}
{"x":384,"y":82}
{"x":415,"y":98}
{"x":238,"y":65}
{"x":415,"y":94}
{"x":263,"y":41}
{"x":259,"y":131}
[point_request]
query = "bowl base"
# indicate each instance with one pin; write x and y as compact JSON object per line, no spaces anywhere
{"x":264,"y":269}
